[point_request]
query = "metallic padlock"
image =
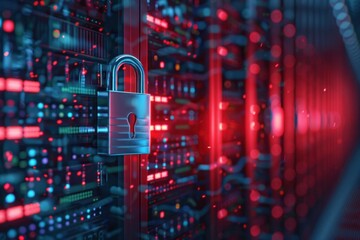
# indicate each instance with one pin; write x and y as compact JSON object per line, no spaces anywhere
{"x":124,"y":117}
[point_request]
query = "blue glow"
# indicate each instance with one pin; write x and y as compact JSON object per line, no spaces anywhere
{"x":11,"y":233}
{"x":51,"y":189}
{"x":10,"y":198}
{"x":185,"y":223}
{"x":88,"y":216}
{"x":32,"y":162}
{"x":40,"y":105}
{"x":31,"y":193}
{"x":58,"y":219}
{"x":42,"y":224}
{"x":69,"y":114}
{"x":32,"y":152}
{"x":40,"y":114}
{"x":67,"y":216}
{"x":192,"y":159}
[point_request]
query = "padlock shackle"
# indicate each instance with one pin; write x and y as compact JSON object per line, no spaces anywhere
{"x":114,"y":66}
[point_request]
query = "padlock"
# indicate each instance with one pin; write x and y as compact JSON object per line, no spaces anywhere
{"x":123,"y":117}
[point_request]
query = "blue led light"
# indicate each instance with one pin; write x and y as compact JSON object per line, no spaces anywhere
{"x":40,"y":114}
{"x":40,"y":105}
{"x":10,"y":198}
{"x":67,"y":216}
{"x":32,"y":152}
{"x":11,"y":233}
{"x":185,"y":223}
{"x":31,"y":193}
{"x":51,"y":189}
{"x":58,"y":219}
{"x":32,"y":162}
{"x":42,"y":224}
{"x":69,"y":114}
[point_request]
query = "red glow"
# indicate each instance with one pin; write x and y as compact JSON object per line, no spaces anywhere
{"x":222,"y":51}
{"x":18,"y":85}
{"x":32,"y":132}
{"x":162,"y":214}
{"x":2,"y":216}
{"x":31,"y":209}
{"x":254,"y":68}
{"x":276,"y":16}
{"x":222,"y":213}
{"x":14,"y":213}
{"x":289,"y":30}
{"x":156,"y":21}
{"x":255,"y":37}
{"x":277,"y":212}
{"x":162,"y":64}
{"x":14,"y":133}
{"x":222,"y":15}
{"x":31,"y":86}
{"x":14,"y":85}
{"x":157,"y":176}
{"x":255,"y":231}
{"x":8,"y":26}
{"x":277,"y":123}
{"x":2,"y":133}
{"x":2,"y":84}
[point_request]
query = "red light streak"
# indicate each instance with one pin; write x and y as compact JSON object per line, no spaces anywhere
{"x":2,"y":216}
{"x":31,"y":209}
{"x":31,"y":86}
{"x":14,"y":213}
{"x":157,"y":176}
{"x":18,"y":85}
{"x":14,"y":85}
{"x":17,"y":132}
{"x":156,"y":21}
{"x":14,"y":133}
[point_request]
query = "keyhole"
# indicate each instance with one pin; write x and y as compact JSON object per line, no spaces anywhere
{"x":132,"y":121}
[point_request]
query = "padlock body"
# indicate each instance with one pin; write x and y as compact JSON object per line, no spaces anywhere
{"x":114,"y":136}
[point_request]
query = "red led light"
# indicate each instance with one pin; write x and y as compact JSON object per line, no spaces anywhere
{"x":14,"y":85}
{"x":14,"y":133}
{"x":157,"y":21}
{"x":255,"y":231}
{"x":277,"y":122}
{"x":31,"y":209}
{"x":14,"y":213}
{"x":8,"y":26}
{"x":2,"y":216}
{"x":2,"y":84}
{"x":254,"y":68}
{"x":255,"y":37}
{"x":289,"y":30}
{"x":222,"y":213}
{"x":32,"y":132}
{"x":222,"y":51}
{"x":162,"y":214}
{"x":31,"y":86}
{"x":222,"y":15}
{"x":276,"y":16}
